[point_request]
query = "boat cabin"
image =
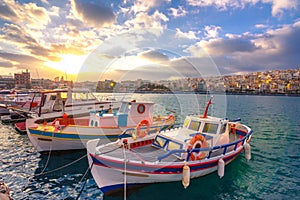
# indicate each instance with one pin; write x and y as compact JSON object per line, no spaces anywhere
{"x":215,"y":131}
{"x":129,"y":114}
{"x":59,"y":100}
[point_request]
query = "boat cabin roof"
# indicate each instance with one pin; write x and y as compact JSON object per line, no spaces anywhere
{"x":130,"y":107}
{"x":210,"y":127}
{"x":82,"y":90}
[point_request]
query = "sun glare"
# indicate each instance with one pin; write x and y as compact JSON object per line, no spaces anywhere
{"x":130,"y":63}
{"x":70,"y":64}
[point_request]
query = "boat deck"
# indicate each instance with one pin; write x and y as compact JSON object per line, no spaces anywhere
{"x":149,"y":153}
{"x":146,"y":153}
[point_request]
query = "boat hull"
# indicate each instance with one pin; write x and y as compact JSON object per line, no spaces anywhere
{"x":110,"y":174}
{"x":49,"y":139}
{"x":72,"y":137}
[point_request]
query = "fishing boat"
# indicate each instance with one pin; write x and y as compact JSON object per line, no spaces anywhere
{"x":51,"y":104}
{"x":13,"y":100}
{"x":202,"y":145}
{"x":73,"y":133}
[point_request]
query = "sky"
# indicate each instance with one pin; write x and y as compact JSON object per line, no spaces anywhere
{"x":153,"y":39}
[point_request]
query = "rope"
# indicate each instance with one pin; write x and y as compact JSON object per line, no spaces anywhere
{"x":89,"y":169}
{"x":47,"y":162}
{"x":62,"y":167}
{"x":125,"y":171}
{"x":84,"y":181}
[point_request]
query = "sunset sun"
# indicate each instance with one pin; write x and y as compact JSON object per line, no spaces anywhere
{"x":70,"y":64}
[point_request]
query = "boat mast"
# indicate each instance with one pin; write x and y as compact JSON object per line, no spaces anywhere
{"x":206,"y":109}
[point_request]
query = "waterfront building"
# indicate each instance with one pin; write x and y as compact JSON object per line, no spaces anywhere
{"x":22,"y":80}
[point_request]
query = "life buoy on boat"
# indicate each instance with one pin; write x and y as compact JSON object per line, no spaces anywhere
{"x":232,"y":128}
{"x":140,"y":133}
{"x":198,"y":141}
{"x":171,"y":117}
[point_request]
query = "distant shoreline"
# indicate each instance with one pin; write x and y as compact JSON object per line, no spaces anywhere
{"x":192,"y":92}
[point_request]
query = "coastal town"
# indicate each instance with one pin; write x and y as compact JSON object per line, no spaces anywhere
{"x":271,"y":82}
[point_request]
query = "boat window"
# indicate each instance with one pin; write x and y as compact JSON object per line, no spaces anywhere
{"x":159,"y":141}
{"x":194,"y":125}
{"x":128,"y":108}
{"x":122,"y":108}
{"x":223,"y":128}
{"x":173,"y":145}
{"x":52,"y":97}
{"x":44,"y":100}
{"x":96,"y":124}
{"x":90,"y":96}
{"x":141,"y":108}
{"x":186,"y":122}
{"x":125,"y":107}
{"x":78,"y":96}
{"x":63,"y":95}
{"x":92,"y":123}
{"x":210,"y":128}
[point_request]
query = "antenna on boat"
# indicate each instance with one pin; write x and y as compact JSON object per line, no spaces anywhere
{"x":207,"y":106}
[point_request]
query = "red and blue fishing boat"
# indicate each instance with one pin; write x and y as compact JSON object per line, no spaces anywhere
{"x":202,"y":145}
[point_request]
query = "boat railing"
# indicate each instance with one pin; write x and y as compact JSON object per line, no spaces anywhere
{"x":210,"y":150}
{"x":153,"y":129}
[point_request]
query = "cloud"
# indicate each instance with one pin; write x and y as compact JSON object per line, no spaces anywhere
{"x":6,"y":12}
{"x":143,"y":20}
{"x":144,"y":6}
{"x":179,"y":12}
{"x":5,"y":64}
{"x":278,"y":6}
{"x":25,"y":42}
{"x":228,"y":46}
{"x":261,"y":26}
{"x":189,"y":34}
{"x":212,"y":31}
{"x":254,"y":52}
{"x":93,"y":15}
{"x":27,"y":14}
{"x":154,"y":56}
{"x":20,"y":58}
{"x":16,"y":34}
{"x":222,"y":5}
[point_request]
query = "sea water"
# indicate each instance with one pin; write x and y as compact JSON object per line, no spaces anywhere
{"x":272,"y":173}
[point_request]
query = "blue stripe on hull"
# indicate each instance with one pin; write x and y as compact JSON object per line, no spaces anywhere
{"x":158,"y":169}
{"x":70,"y":136}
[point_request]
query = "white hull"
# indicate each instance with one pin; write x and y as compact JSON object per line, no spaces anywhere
{"x":49,"y":142}
{"x":109,"y":179}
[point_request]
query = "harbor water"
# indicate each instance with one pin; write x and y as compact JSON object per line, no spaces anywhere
{"x":272,"y":173}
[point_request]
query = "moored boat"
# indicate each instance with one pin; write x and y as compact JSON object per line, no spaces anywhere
{"x":204,"y":144}
{"x":50,"y":104}
{"x":20,"y":127}
{"x":73,"y":133}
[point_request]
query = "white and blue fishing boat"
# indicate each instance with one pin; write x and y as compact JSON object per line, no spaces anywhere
{"x":73,"y":133}
{"x":204,"y":144}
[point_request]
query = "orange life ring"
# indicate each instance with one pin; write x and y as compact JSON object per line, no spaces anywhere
{"x":232,"y":128}
{"x":198,"y":141}
{"x":171,"y":117}
{"x":140,"y":133}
